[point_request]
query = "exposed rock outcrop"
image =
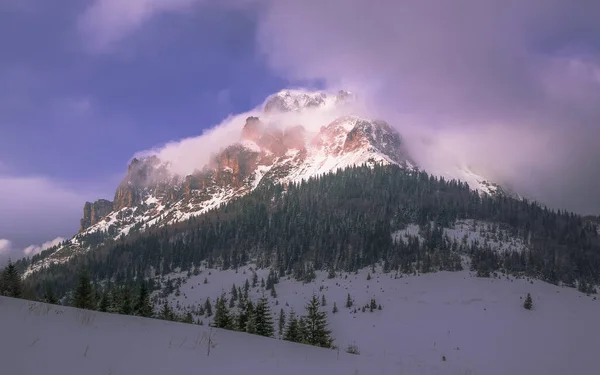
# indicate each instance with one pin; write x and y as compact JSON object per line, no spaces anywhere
{"x":94,"y":212}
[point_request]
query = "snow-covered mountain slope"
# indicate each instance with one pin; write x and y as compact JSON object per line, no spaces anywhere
{"x":468,"y":232}
{"x":270,"y":150}
{"x":477,"y":324}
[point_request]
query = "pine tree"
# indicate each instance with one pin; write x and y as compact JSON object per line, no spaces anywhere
{"x":528,"y":304}
{"x":262,"y":318}
{"x":372,"y":305}
{"x":222,"y":318}
{"x":254,"y":280}
{"x":335,"y":308}
{"x":188,"y":318}
{"x":126,"y":307}
{"x":273,"y":291}
{"x":292,"y":330}
{"x":281,"y":321}
{"x":234,"y":293}
{"x":316,"y":325}
{"x":104,"y":302}
{"x":262,"y":283}
{"x":166,"y":313}
{"x":246,"y":320}
{"x":323,"y":301}
{"x":143,"y":307}
{"x":49,"y":296}
{"x":83,"y":297}
{"x":348,"y":301}
{"x":11,"y":285}
{"x":208,"y":307}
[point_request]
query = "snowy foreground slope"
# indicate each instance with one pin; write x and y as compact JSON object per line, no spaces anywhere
{"x":478,"y":324}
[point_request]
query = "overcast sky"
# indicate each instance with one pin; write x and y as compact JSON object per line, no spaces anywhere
{"x":510,"y":87}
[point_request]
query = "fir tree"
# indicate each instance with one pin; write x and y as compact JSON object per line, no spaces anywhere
{"x":246,"y":286}
{"x":222,"y":318}
{"x":83,"y":298}
{"x":143,"y":306}
{"x":292,"y":330}
{"x":104,"y":301}
{"x":335,"y":308}
{"x":262,"y":282}
{"x":316,"y":325}
{"x":348,"y":301}
{"x":208,"y":307}
{"x":234,"y":293}
{"x":166,"y":313}
{"x":126,"y":307}
{"x":372,"y":305}
{"x":273,"y":291}
{"x":49,"y":296}
{"x":11,"y":285}
{"x":281,"y":321}
{"x":188,"y":318}
{"x":262,"y":318}
{"x":244,"y":317}
{"x":323,"y":300}
{"x":368,"y":277}
{"x":528,"y":304}
{"x":254,"y":280}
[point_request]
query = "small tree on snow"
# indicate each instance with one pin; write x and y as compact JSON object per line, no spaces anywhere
{"x":528,"y":304}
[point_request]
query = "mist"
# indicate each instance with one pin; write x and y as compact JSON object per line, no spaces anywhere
{"x":510,"y":88}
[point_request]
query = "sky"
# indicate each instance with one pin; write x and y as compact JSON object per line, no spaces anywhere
{"x":511,"y":88}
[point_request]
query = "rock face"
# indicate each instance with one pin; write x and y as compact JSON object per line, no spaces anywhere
{"x":93,"y":212}
{"x":267,"y":152}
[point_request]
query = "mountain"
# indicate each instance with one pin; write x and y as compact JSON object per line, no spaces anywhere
{"x":268,"y":151}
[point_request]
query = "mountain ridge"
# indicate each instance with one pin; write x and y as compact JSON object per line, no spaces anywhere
{"x":265,"y":152}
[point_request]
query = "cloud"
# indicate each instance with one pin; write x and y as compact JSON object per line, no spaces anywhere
{"x":190,"y":154}
{"x":106,"y":22}
{"x":35,"y":249}
{"x":5,"y":246}
{"x":509,"y":88}
{"x":33,"y":209}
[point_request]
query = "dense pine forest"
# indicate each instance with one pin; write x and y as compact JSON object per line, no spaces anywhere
{"x":344,"y":221}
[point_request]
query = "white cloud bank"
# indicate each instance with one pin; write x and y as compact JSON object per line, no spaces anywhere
{"x":510,"y":88}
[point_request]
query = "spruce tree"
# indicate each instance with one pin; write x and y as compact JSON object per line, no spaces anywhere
{"x":104,"y":302}
{"x":316,"y":325}
{"x":208,"y":307}
{"x":323,"y":301}
{"x":12,"y":285}
{"x":246,"y":286}
{"x":528,"y":304}
{"x":49,"y":296}
{"x":166,"y":313}
{"x":262,"y":318}
{"x":273,"y":291}
{"x":349,"y":301}
{"x":335,"y":308}
{"x":143,"y":306}
{"x":254,"y":280}
{"x":241,"y":319}
{"x":292,"y":330}
{"x":83,"y":298}
{"x":222,"y":318}
{"x":234,"y":293}
{"x":126,"y":307}
{"x":281,"y":321}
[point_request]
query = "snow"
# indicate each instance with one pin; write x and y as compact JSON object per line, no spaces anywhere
{"x":478,"y":324}
{"x":471,"y":231}
{"x":46,"y":339}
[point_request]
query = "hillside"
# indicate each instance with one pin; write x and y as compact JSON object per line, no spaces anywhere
{"x":477,"y":324}
{"x":295,"y":136}
{"x":346,"y":221}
